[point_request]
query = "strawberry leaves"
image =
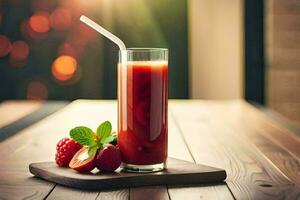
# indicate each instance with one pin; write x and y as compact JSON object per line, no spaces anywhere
{"x":85,"y":136}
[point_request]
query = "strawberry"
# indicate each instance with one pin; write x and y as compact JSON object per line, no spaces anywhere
{"x":82,"y":161}
{"x":65,"y":150}
{"x":108,"y":159}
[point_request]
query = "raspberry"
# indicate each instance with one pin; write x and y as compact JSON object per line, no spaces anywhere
{"x":65,"y":150}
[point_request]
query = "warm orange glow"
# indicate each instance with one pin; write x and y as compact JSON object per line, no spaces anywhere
{"x":19,"y":51}
{"x":64,"y":68}
{"x":61,"y":19}
{"x":37,"y":90}
{"x":39,"y":22}
{"x":5,"y":45}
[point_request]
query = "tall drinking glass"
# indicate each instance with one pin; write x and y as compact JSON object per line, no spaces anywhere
{"x":143,"y":108}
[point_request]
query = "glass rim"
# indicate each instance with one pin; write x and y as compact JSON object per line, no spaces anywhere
{"x":144,"y":49}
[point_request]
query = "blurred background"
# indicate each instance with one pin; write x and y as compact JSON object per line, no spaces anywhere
{"x":219,"y":49}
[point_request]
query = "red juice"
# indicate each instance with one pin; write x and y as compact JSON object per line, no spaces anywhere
{"x":143,"y":112}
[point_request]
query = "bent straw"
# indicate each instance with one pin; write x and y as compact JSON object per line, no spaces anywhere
{"x":103,"y":31}
{"x":122,"y":47}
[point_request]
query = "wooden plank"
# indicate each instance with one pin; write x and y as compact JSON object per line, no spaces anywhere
{"x":15,"y":180}
{"x":284,"y":78}
{"x":202,"y":192}
{"x":33,"y":144}
{"x":22,"y":192}
{"x":178,"y":148}
{"x":283,"y":160}
{"x":114,"y":195}
{"x":286,"y":6}
{"x":283,"y":61}
{"x":286,"y":59}
{"x":250,"y":174}
{"x":286,"y":39}
{"x":149,"y":193}
{"x":288,"y":94}
{"x":278,"y":118}
{"x":70,"y":193}
{"x":290,"y":110}
{"x":276,"y":133}
{"x":11,"y":111}
{"x":287,"y":22}
{"x":44,"y":111}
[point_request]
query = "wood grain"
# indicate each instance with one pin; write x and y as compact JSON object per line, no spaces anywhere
{"x":287,"y":22}
{"x":149,"y":193}
{"x":225,"y":134}
{"x":285,"y":161}
{"x":178,"y":147}
{"x":286,"y":58}
{"x":114,"y":195}
{"x":282,"y":60}
{"x":91,"y":115}
{"x":70,"y":193}
{"x":250,"y":174}
{"x":286,"y":6}
{"x":11,"y":111}
{"x":201,"y":192}
{"x":274,"y":132}
{"x":17,"y":192}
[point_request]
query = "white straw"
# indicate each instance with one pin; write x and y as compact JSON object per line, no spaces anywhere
{"x":122,"y":47}
{"x":103,"y":31}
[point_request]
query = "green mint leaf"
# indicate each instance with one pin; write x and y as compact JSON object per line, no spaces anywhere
{"x":115,"y":140}
{"x":104,"y":130}
{"x":99,"y":144}
{"x":83,"y":135}
{"x":92,"y":150}
{"x":108,"y":139}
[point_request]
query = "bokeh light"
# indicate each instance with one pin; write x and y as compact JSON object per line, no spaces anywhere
{"x":64,"y":68}
{"x":61,"y":19}
{"x":5,"y":45}
{"x":19,"y":51}
{"x":27,"y":32}
{"x":37,"y":90}
{"x":39,"y":22}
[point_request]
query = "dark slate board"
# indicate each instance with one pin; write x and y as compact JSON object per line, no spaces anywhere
{"x":178,"y":172}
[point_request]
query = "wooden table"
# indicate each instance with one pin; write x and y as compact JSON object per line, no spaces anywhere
{"x":260,"y":156}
